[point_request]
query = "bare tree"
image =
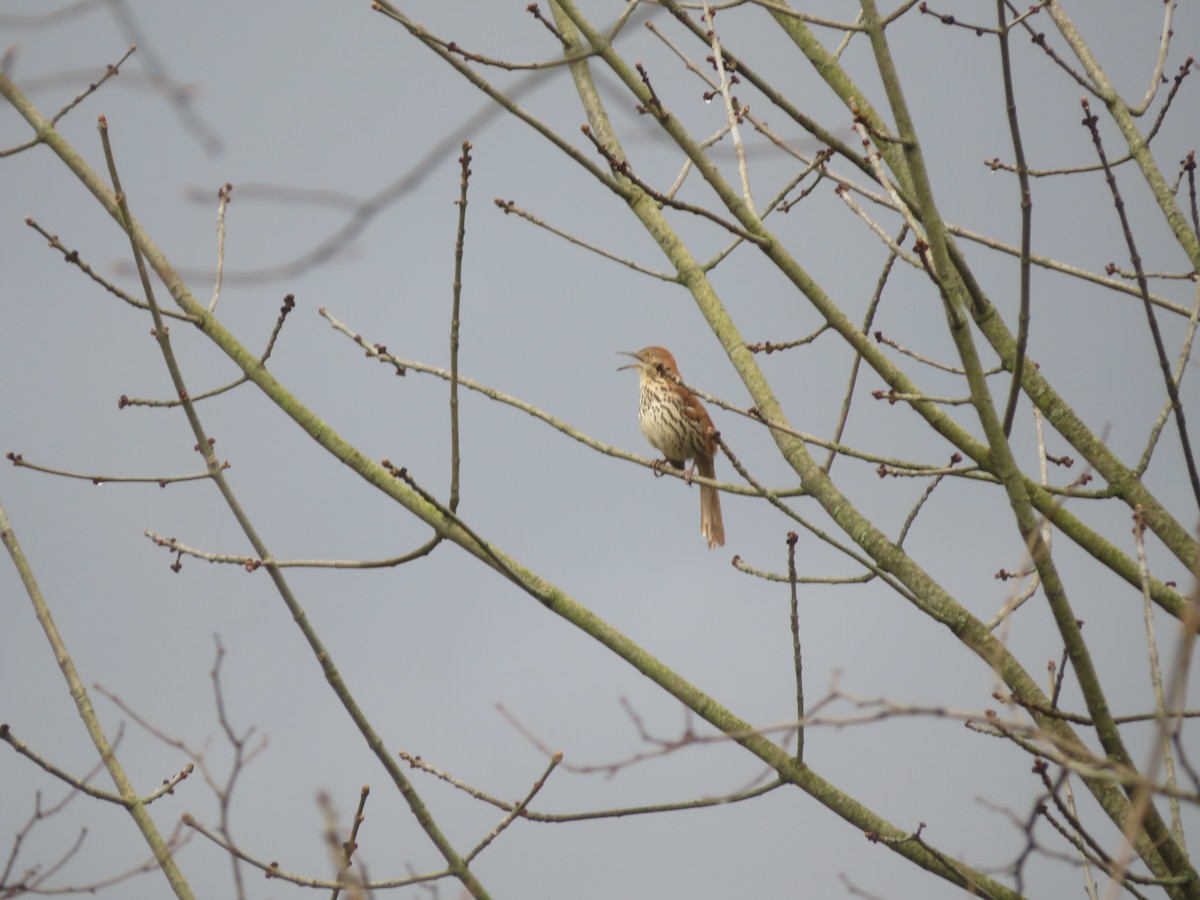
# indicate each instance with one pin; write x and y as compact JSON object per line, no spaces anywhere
{"x":933,"y":391}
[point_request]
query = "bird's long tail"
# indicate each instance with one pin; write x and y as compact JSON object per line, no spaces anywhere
{"x":711,"y":524}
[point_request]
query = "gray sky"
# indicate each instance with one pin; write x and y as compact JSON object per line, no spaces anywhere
{"x":333,"y":97}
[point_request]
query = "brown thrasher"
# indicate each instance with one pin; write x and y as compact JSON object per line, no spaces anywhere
{"x":677,"y":425}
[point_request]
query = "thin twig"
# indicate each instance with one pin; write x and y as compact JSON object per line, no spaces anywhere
{"x":517,"y":810}
{"x":797,"y":659}
{"x":455,"y":306}
{"x":510,"y":206}
{"x":348,"y":847}
{"x":1185,"y":353}
{"x":1160,"y":349}
{"x":223,"y":196}
{"x":274,"y":870}
{"x":1021,"y":594}
{"x":557,"y":818}
{"x":856,"y":365}
{"x":253,"y":563}
{"x":81,"y":784}
{"x":1156,"y":678}
{"x":1164,"y":45}
{"x":1026,"y":204}
{"x":621,"y":166}
{"x":73,"y":257}
{"x":289,"y":304}
{"x":732,"y":112}
{"x":109,"y":72}
{"x":161,"y":480}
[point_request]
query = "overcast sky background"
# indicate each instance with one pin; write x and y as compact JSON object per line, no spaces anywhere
{"x":334,"y":97}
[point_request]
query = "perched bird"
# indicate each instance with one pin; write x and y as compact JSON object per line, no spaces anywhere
{"x":677,"y":425}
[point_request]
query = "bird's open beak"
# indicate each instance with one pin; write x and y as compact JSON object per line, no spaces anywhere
{"x":632,"y":365}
